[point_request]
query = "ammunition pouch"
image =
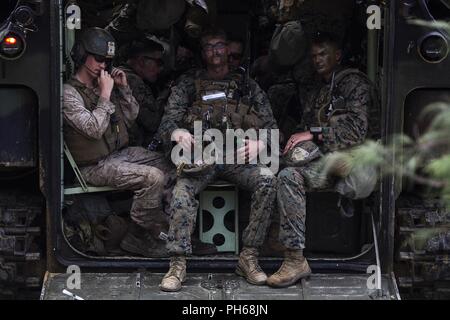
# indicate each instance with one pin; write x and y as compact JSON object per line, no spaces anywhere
{"x":225,"y":111}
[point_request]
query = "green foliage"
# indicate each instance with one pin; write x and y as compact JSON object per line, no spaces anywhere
{"x":419,"y":238}
{"x":369,"y":154}
{"x":424,"y":159}
{"x":440,"y":167}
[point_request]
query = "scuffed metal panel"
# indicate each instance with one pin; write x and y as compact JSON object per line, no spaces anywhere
{"x":423,"y":246}
{"x":20,"y":258}
{"x":94,"y":286}
{"x":203,"y":286}
{"x":344,"y":287}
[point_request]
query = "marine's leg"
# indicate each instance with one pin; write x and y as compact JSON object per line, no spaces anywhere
{"x":184,"y":208}
{"x":293,"y":182}
{"x":138,"y":155}
{"x":263,"y":187}
{"x":126,"y":170}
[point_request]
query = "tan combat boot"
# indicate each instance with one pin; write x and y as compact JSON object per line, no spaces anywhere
{"x":175,"y":276}
{"x":294,"y":267}
{"x":249,"y":268}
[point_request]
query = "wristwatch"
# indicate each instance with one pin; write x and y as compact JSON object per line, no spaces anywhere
{"x":316,"y":131}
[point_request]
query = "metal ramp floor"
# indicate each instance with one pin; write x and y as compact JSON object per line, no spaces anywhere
{"x":217,"y":286}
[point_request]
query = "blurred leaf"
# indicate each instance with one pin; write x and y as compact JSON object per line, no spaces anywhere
{"x":368,"y":154}
{"x":440,"y":168}
{"x":420,"y":237}
{"x":441,"y":121}
{"x":433,"y":141}
{"x":401,"y":140}
{"x":434,"y":109}
{"x":412,"y":164}
{"x":338,"y":161}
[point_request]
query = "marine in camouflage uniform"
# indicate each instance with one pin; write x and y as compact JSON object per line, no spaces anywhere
{"x":98,"y":109}
{"x":336,"y":118}
{"x":151,"y":110}
{"x":184,"y":107}
{"x":142,"y":69}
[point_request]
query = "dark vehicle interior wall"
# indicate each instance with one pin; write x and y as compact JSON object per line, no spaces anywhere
{"x":420,"y":78}
{"x":25,"y":135}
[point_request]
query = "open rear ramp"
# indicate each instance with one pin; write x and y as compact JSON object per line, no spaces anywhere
{"x":218,"y":286}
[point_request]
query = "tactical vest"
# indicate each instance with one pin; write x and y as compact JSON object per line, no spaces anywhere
{"x":88,"y":151}
{"x":220,"y":104}
{"x":323,"y":102}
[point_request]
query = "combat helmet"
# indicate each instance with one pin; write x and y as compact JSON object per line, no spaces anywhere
{"x":94,"y":41}
{"x":302,"y":153}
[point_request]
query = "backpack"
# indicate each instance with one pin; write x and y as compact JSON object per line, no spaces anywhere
{"x":288,"y":44}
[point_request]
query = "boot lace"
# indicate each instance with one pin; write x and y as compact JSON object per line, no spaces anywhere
{"x":253,"y":263}
{"x":176,"y":267}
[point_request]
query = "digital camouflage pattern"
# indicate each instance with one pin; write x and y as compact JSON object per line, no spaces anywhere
{"x":94,"y":123}
{"x":183,"y":95}
{"x":146,"y":173}
{"x":293,"y":183}
{"x":249,"y":177}
{"x":184,"y":206}
{"x":93,"y":126}
{"x":347,"y":125}
{"x":151,"y":110}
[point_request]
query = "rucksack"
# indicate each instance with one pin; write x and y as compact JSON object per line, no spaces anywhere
{"x":288,"y":44}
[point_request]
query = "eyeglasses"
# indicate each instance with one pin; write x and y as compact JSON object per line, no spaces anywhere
{"x":158,"y":61}
{"x":218,"y":46}
{"x":101,"y":59}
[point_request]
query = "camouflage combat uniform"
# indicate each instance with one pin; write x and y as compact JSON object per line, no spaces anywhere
{"x":345,"y":125}
{"x":150,"y":113}
{"x":88,"y":128}
{"x":286,"y":107}
{"x":184,"y":206}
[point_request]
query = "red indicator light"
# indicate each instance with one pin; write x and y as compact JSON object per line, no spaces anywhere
{"x":11,"y":40}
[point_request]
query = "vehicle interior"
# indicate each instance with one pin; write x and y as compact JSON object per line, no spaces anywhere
{"x":43,"y":195}
{"x":335,"y":233}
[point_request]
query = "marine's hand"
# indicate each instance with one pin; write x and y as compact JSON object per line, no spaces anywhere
{"x":105,"y":84}
{"x":296,"y":139}
{"x":184,"y":138}
{"x":120,"y":78}
{"x":250,"y":150}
